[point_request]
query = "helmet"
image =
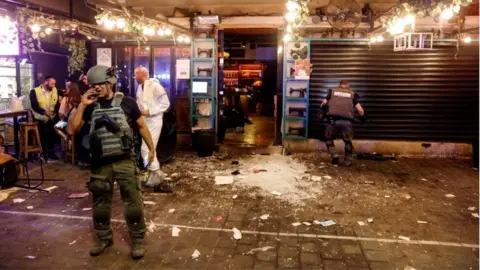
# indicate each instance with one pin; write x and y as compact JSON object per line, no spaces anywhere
{"x":100,"y":74}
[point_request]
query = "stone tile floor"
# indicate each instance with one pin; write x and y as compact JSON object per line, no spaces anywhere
{"x":57,"y":233}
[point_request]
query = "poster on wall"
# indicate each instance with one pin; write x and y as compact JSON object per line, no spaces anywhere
{"x":183,"y":69}
{"x":104,"y":57}
{"x":302,"y":69}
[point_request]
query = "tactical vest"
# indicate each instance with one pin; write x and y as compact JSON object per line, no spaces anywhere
{"x":42,"y":102}
{"x":341,"y":103}
{"x":110,"y":135}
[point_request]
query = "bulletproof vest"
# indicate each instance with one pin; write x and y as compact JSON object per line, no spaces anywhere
{"x":110,"y":135}
{"x":341,"y":103}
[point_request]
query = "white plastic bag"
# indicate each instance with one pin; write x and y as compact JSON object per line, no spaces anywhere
{"x":16,"y":104}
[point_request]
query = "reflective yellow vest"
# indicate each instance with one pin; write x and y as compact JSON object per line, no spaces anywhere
{"x":42,"y":102}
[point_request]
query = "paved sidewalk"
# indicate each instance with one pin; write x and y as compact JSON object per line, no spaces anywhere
{"x":57,"y":233}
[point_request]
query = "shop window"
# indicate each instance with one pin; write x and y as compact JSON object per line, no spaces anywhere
{"x":123,"y":61}
{"x":8,"y":82}
{"x":142,"y":58}
{"x":161,"y":67}
{"x":182,"y":86}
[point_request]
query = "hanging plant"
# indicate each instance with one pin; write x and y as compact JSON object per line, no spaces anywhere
{"x":28,"y":40}
{"x":76,"y":61}
{"x":299,"y":53}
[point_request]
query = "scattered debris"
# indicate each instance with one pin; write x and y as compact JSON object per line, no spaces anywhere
{"x":370,"y":220}
{"x":29,"y":207}
{"x":421,"y":222}
{"x":424,"y":180}
{"x":149,"y":203}
{"x":375,"y":156}
{"x":361,"y":223}
{"x":404,"y":238}
{"x":4,"y":193}
{"x":30,"y":257}
{"x":234,"y":197}
{"x":218,"y":218}
{"x":296,"y":224}
{"x":306,"y":223}
{"x":264,"y":217}
{"x":235,"y":162}
{"x":316,"y":178}
{"x":223,"y":180}
{"x":387,"y":196}
{"x":151,"y":227}
{"x":195,"y":254}
{"x":328,"y":177}
{"x":87,"y":209}
{"x":450,"y":196}
{"x":78,"y":195}
{"x":259,"y":170}
{"x":266,"y":248}
{"x":50,"y":189}
{"x":237,"y":234}
{"x":325,"y":223}
{"x":407,"y":196}
{"x":265,"y":154}
{"x":18,"y":200}
{"x":368,"y":182}
{"x":171,"y":210}
{"x":175,"y":232}
{"x":408,"y":267}
{"x":276,"y":193}
{"x":236,"y":172}
{"x":471,"y":208}
{"x":475,"y":215}
{"x":73,"y":242}
{"x":174,"y":175}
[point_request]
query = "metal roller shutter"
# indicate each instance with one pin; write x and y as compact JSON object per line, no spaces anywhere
{"x":418,"y":95}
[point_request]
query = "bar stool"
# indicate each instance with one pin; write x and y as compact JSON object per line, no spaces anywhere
{"x":26,"y":128}
{"x":69,"y":151}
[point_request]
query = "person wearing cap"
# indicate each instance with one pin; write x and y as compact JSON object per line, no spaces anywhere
{"x":105,"y":169}
{"x":341,"y":102}
{"x":45,"y":104}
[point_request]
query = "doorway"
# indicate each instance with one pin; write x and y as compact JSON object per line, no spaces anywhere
{"x":248,"y":81}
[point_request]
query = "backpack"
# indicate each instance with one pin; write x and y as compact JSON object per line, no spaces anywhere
{"x":110,"y":135}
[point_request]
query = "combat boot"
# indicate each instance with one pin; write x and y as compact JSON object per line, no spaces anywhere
{"x":100,"y":247}
{"x":138,"y":250}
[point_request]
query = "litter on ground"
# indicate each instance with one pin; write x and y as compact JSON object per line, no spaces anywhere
{"x":471,"y":208}
{"x":368,"y":182}
{"x":264,"y":217}
{"x":408,"y":267}
{"x":266,"y":248}
{"x":421,"y":222}
{"x":475,"y":215}
{"x":30,"y":257}
{"x":450,"y":196}
{"x":29,"y":207}
{"x":408,"y":197}
{"x":78,"y":195}
{"x":328,"y":177}
{"x":296,"y":224}
{"x":195,"y":254}
{"x":18,"y":200}
{"x":218,"y":218}
{"x":149,"y":203}
{"x":73,"y":242}
{"x":50,"y":189}
{"x":404,"y":238}
{"x":316,"y":178}
{"x":276,"y":193}
{"x":237,"y":234}
{"x":370,"y":220}
{"x":234,"y":197}
{"x":175,"y":232}
{"x":325,"y":223}
{"x":361,"y":223}
{"x":87,"y":209}
{"x":171,"y":210}
{"x":306,"y":223}
{"x":224,"y":180}
{"x":151,"y":226}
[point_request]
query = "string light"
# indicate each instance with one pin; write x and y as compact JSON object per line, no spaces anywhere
{"x":289,"y":28}
{"x":168,"y":31}
{"x":161,"y":32}
{"x":104,"y":40}
{"x":290,"y":16}
{"x":180,"y":38}
{"x":447,"y":13}
{"x":121,"y":23}
{"x":35,"y":28}
{"x":467,"y":39}
{"x":48,"y":30}
{"x":287,"y":38}
{"x":456,"y":8}
{"x":380,"y":39}
{"x":109,"y":24}
{"x":187,"y":40}
{"x":292,"y":5}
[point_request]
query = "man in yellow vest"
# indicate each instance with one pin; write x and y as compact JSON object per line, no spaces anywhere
{"x":45,"y":105}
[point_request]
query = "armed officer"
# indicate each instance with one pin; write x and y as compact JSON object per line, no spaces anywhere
{"x":113,"y":118}
{"x":341,"y":102}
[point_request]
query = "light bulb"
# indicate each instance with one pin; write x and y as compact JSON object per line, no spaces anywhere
{"x":109,"y":24}
{"x":287,"y":38}
{"x":180,"y":38}
{"x":447,"y":13}
{"x":48,"y":30}
{"x":161,"y":32}
{"x":289,"y":28}
{"x":467,"y":39}
{"x":35,"y":28}
{"x":186,"y":40}
{"x":168,"y":31}
{"x":292,"y":5}
{"x":456,"y":8}
{"x":89,"y":38}
{"x":290,"y":16}
{"x":121,"y":23}
{"x":280,"y":49}
{"x":380,"y":39}
{"x":373,"y":40}
{"x":148,"y":31}
{"x":104,"y":40}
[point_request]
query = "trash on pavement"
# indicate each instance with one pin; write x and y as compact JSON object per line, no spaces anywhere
{"x":264,"y":217}
{"x":471,"y":208}
{"x":296,"y":224}
{"x":149,"y":203}
{"x":73,"y":242}
{"x":404,"y":238}
{"x":325,"y":223}
{"x":421,"y":222}
{"x":450,"y":196}
{"x":218,"y":218}
{"x":195,"y":254}
{"x":266,"y":248}
{"x":276,"y":193}
{"x":237,"y":234}
{"x":30,"y":257}
{"x":171,"y":210}
{"x":224,"y":180}
{"x":78,"y":195}
{"x":29,"y":207}
{"x":316,"y":178}
{"x":408,"y":267}
{"x":328,"y":177}
{"x":259,"y":170}
{"x":424,"y":180}
{"x":175,"y":231}
{"x":370,"y":220}
{"x":361,"y":223}
{"x":87,"y":209}
{"x":387,"y":196}
{"x":475,"y":215}
{"x":151,"y":226}
{"x":368,"y":182}
{"x":18,"y":200}
{"x":407,"y":196}
{"x":236,"y":172}
{"x":306,"y":223}
{"x":235,"y":162}
{"x":49,"y":189}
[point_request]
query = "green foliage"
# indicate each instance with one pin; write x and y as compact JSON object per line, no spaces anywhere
{"x":76,"y":61}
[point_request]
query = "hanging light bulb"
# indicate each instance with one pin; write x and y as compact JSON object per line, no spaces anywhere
{"x":289,"y":28}
{"x":168,"y":31}
{"x":290,"y":16}
{"x":48,"y":30}
{"x":447,"y":13}
{"x":161,"y":32}
{"x":121,"y":23}
{"x":467,"y":39}
{"x":373,"y":40}
{"x":456,"y":8}
{"x":89,"y":37}
{"x":380,"y":39}
{"x":186,"y":40}
{"x":180,"y":38}
{"x":109,"y":24}
{"x":35,"y":28}
{"x":280,"y":49}
{"x":104,"y":40}
{"x":292,"y":5}
{"x":287,"y":38}
{"x":409,"y":20}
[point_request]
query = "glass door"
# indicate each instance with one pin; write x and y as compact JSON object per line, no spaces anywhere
{"x":123,"y":60}
{"x":142,"y":58}
{"x":161,"y":68}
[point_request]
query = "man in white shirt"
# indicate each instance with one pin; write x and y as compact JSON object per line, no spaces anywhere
{"x":153,"y":102}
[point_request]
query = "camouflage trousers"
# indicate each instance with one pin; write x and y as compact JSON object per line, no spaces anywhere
{"x":101,"y":186}
{"x":341,"y":129}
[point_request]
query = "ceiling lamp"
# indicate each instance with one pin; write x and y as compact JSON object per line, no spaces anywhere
{"x":292,"y":5}
{"x":121,"y":23}
{"x":186,"y":40}
{"x":180,"y":38}
{"x":290,"y":16}
{"x":168,"y":31}
{"x":48,"y":30}
{"x":109,"y":24}
{"x":35,"y":28}
{"x":467,"y":39}
{"x":161,"y":32}
{"x":287,"y":38}
{"x":447,"y":13}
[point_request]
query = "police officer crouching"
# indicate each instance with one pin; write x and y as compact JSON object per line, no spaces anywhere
{"x":113,"y":119}
{"x":341,"y":102}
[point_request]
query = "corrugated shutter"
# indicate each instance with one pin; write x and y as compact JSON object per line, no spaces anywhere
{"x":418,"y":95}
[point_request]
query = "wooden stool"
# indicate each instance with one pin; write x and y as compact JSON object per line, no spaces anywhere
{"x":25,"y":148}
{"x":69,"y":151}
